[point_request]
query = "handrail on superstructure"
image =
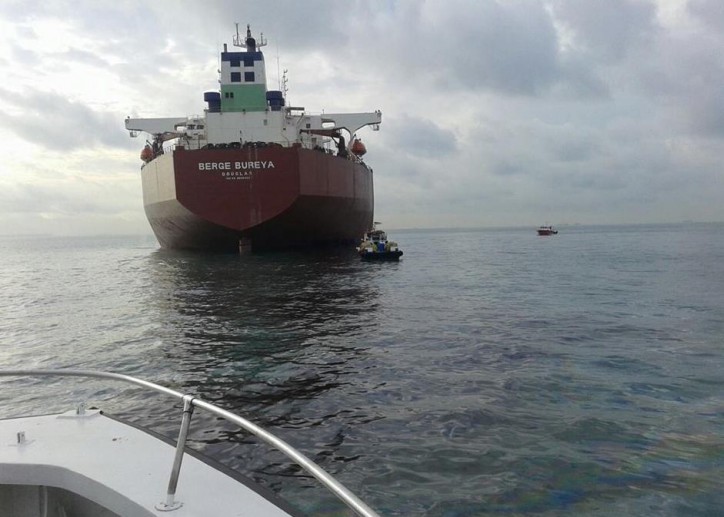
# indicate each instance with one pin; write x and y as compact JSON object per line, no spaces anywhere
{"x":334,"y":486}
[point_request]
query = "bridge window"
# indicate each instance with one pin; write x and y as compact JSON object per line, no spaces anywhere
{"x":236,"y":62}
{"x":248,"y":61}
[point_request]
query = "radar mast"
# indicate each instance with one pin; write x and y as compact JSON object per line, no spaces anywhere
{"x":249,"y":42}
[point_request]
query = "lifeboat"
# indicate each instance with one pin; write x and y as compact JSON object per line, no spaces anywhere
{"x":147,"y":154}
{"x":358,"y":148}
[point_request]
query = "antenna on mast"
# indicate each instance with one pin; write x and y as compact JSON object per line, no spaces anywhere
{"x":279,"y":77}
{"x":249,"y":42}
{"x":237,"y":39}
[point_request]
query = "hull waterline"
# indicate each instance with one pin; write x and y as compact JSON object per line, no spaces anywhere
{"x":275,"y":199}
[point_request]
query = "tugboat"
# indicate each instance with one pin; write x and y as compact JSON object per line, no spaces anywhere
{"x":547,"y":230}
{"x":375,"y":246}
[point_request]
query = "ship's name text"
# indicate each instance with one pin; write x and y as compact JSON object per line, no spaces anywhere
{"x":229,"y":166}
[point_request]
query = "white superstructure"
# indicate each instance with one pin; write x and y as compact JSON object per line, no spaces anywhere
{"x":245,"y":112}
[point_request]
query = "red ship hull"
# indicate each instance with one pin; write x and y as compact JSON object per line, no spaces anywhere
{"x":269,"y":197}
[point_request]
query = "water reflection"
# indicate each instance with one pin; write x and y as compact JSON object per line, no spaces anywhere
{"x":275,"y":337}
{"x":230,"y":309}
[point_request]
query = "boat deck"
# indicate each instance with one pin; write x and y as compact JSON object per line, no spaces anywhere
{"x":119,"y":467}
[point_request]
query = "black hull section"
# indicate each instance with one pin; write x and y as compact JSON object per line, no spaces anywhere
{"x":381,"y":256}
{"x":309,"y":222}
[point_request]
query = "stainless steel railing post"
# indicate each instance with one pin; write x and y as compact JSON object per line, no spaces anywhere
{"x":170,"y":504}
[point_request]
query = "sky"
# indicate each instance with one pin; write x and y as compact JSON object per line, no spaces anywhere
{"x":494,"y":113}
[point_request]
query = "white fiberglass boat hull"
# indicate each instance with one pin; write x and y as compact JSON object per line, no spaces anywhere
{"x":90,"y":464}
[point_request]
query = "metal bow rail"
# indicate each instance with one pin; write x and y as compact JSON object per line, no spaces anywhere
{"x":189,"y":403}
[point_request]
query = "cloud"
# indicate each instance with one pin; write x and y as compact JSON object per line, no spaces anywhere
{"x":607,"y":31}
{"x":494,"y":112}
{"x":709,"y":12}
{"x":507,"y":47}
{"x":52,"y":121}
{"x":29,"y":199}
{"x":683,"y":70}
{"x":418,"y":137}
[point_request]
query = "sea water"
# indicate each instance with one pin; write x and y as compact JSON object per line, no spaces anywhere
{"x":489,"y":372}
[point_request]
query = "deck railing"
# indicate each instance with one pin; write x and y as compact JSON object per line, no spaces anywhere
{"x":189,"y":403}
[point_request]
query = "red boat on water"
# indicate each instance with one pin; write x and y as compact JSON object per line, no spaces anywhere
{"x":253,"y":173}
{"x":547,"y":230}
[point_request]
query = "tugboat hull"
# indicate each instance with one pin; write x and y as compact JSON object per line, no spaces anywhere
{"x":382,"y":256}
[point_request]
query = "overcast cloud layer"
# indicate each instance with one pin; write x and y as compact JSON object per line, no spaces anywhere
{"x":495,"y":113}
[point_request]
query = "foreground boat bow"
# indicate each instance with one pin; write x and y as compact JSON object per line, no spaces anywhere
{"x":88,"y":464}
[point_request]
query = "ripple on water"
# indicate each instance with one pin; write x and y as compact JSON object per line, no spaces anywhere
{"x":505,"y":374}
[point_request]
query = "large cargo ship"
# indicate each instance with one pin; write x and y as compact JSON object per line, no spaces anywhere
{"x":253,"y":173}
